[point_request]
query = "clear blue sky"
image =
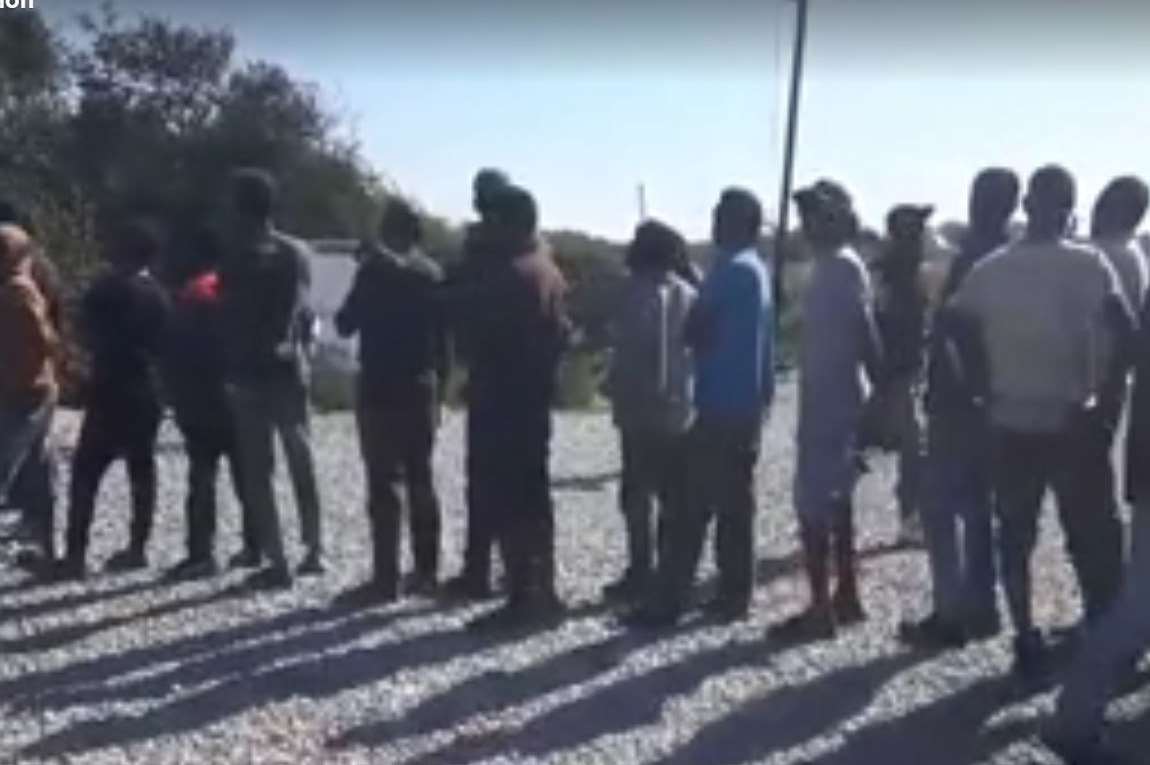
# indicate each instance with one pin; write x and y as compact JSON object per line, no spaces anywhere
{"x":580,"y":101}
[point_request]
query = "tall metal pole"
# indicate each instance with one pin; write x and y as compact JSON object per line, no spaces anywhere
{"x":789,"y":151}
{"x":642,"y":202}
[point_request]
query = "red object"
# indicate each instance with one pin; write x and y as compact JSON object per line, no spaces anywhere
{"x":203,"y":289}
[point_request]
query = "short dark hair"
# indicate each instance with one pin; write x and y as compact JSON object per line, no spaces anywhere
{"x":254,"y":192}
{"x":994,"y":196}
{"x":488,"y":182}
{"x":745,"y":206}
{"x":1122,"y":205}
{"x":656,"y":247}
{"x":515,"y":208}
{"x":1052,"y":188}
{"x":137,"y":243}
{"x":10,"y":212}
{"x":401,"y":217}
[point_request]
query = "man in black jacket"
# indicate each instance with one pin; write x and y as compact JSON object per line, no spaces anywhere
{"x":394,"y":308}
{"x":265,"y":285}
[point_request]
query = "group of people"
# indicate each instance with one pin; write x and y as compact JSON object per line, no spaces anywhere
{"x":1010,"y":379}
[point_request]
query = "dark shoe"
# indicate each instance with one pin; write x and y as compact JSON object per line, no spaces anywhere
{"x":811,"y":626}
{"x":127,"y":560}
{"x":726,"y":610}
{"x":1093,"y":751}
{"x":35,"y":563}
{"x":535,"y":614}
{"x":312,"y":565}
{"x":271,"y":578}
{"x":982,"y":628}
{"x":932,"y":634}
{"x":418,"y":585}
{"x":193,"y":568}
{"x":245,"y":559}
{"x":1031,"y":660}
{"x":848,"y":608}
{"x":653,"y":617}
{"x":627,"y":588}
{"x":467,"y":588}
{"x":67,"y":571}
{"x":367,"y":595}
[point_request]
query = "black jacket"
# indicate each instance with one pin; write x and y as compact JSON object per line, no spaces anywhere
{"x":124,"y":322}
{"x":194,"y":363}
{"x":1138,"y":435}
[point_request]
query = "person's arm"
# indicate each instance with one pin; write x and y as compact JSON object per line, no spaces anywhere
{"x":704,"y":313}
{"x":861,"y":304}
{"x":1119,"y":321}
{"x":349,"y":317}
{"x":23,"y":314}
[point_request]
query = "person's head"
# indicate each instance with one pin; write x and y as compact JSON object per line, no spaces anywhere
{"x":253,"y":194}
{"x":994,"y":199}
{"x":135,"y":246}
{"x":15,"y":247}
{"x":11,"y":213}
{"x":827,"y":215}
{"x":737,"y":221}
{"x":488,"y":182}
{"x":1049,"y":203}
{"x":1121,"y":207}
{"x":514,"y":218}
{"x":656,"y":248}
{"x":906,"y":226}
{"x":400,"y":228}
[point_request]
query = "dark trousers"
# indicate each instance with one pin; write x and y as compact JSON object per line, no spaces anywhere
{"x":482,"y":505}
{"x":513,"y":452}
{"x":721,"y":484}
{"x":210,"y":440}
{"x":654,"y":473}
{"x":1076,"y":464}
{"x":397,"y":442}
{"x":125,"y":430}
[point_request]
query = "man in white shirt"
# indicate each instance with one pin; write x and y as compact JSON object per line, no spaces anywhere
{"x":1040,"y":309}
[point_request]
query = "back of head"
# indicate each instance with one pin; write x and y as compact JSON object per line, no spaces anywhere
{"x":15,"y":247}
{"x":827,"y":213}
{"x":515,"y":217}
{"x":136,"y":245}
{"x":906,"y":225}
{"x":488,"y":182}
{"x":1121,"y":207}
{"x":738,"y":219}
{"x":254,"y":193}
{"x":994,"y":199}
{"x":656,"y":248}
{"x":401,"y":227}
{"x":1050,"y":199}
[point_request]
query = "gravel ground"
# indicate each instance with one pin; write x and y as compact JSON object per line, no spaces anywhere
{"x":125,"y":669}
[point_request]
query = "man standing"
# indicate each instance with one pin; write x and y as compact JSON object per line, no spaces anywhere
{"x":518,"y":330}
{"x":958,"y":518}
{"x":264,"y":286}
{"x":1118,"y":213}
{"x":1043,"y":308}
{"x":394,"y":308}
{"x":28,"y":390}
{"x":474,"y":583}
{"x":839,"y":341}
{"x":731,"y":332}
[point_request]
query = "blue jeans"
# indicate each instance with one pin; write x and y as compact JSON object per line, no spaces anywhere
{"x":958,"y":521}
{"x":27,"y":470}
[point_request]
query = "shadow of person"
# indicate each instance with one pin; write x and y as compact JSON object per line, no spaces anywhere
{"x":314,"y":677}
{"x":790,"y":716}
{"x":588,"y":484}
{"x":71,"y":601}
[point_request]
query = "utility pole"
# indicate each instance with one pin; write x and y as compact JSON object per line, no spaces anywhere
{"x":642,"y":202}
{"x":789,"y":150}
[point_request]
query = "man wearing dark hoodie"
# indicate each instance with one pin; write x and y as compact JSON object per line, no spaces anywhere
{"x":194,"y":367}
{"x":28,"y":389}
{"x":123,"y":320}
{"x":958,"y":504}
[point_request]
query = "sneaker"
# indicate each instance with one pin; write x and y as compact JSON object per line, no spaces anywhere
{"x":848,"y":608}
{"x":367,"y":595}
{"x":653,"y":617}
{"x":127,"y":560}
{"x":245,"y":559}
{"x":932,"y":634}
{"x":541,"y":612}
{"x":34,"y":562}
{"x":982,"y":628}
{"x":626,"y":588}
{"x":466,"y":587}
{"x":271,"y":578}
{"x":67,"y":571}
{"x":1093,"y":751}
{"x":312,"y":565}
{"x":193,"y":568}
{"x":1031,"y":664}
{"x":418,"y":585}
